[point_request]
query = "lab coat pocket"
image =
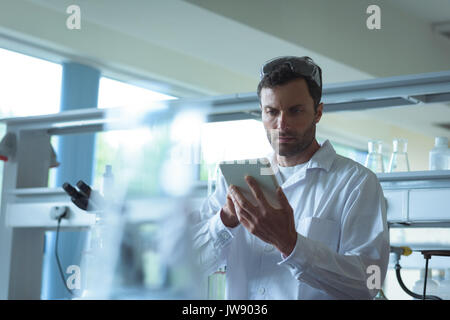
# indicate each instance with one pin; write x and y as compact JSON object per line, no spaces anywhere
{"x":323,"y":230}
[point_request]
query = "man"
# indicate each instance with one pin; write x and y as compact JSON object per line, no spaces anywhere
{"x":330,"y":238}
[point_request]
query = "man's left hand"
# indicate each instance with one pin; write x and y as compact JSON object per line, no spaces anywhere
{"x":272,"y":225}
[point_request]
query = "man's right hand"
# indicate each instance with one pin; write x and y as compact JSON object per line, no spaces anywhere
{"x":228,"y":213}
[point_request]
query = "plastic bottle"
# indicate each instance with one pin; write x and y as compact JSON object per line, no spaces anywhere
{"x":92,"y":256}
{"x":432,"y":286}
{"x":439,"y":155}
{"x":444,"y":286}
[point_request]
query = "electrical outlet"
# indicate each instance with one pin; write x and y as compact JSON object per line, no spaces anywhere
{"x":59,"y":212}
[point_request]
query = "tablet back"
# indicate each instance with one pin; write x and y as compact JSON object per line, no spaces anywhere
{"x":235,"y":172}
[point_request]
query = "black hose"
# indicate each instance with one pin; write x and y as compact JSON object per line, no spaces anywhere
{"x":61,"y":273}
{"x":412,"y":294}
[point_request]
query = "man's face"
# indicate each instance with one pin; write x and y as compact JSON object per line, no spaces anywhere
{"x":289,"y":117}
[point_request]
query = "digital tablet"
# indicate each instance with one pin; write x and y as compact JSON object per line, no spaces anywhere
{"x":260,"y":169}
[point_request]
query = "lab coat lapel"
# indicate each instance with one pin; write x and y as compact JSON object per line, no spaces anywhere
{"x":322,"y":159}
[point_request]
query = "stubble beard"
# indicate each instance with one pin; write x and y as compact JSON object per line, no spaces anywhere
{"x":297,"y":147}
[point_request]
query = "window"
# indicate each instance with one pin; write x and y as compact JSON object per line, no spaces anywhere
{"x":39,"y":79}
{"x":30,"y":87}
{"x":113,"y":93}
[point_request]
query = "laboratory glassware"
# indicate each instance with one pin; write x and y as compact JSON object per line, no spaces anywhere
{"x":374,"y":159}
{"x":399,"y":158}
{"x":440,"y":155}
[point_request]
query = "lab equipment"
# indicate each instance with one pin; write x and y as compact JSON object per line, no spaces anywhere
{"x":427,"y":254}
{"x":374,"y":159}
{"x":444,"y":286}
{"x":440,"y":155}
{"x":400,"y":251}
{"x":85,"y":198}
{"x":431,"y":285}
{"x":77,"y":198}
{"x":399,"y":158}
{"x":8,"y":146}
{"x":406,"y":251}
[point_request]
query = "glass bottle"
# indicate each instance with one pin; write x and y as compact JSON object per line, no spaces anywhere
{"x":444,"y":286}
{"x":374,"y":159}
{"x":432,"y":285}
{"x":399,"y":158}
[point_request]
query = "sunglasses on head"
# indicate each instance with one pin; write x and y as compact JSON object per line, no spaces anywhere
{"x":304,"y":66}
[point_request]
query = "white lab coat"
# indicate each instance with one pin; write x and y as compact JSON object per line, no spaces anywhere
{"x":340,"y":218}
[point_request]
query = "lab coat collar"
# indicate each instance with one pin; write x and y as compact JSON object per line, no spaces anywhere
{"x":321,"y":159}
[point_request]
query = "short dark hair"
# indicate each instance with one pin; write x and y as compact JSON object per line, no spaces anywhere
{"x":283,"y":74}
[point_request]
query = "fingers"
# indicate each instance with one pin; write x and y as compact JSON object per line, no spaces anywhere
{"x":282,"y":199}
{"x":243,"y":220}
{"x":257,"y":192}
{"x":230,"y":205}
{"x":228,"y":214}
{"x":243,"y":217}
{"x":242,"y":207}
{"x":241,"y":200}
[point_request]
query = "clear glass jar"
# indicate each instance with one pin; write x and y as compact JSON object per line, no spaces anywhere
{"x":399,"y":158}
{"x":374,"y":159}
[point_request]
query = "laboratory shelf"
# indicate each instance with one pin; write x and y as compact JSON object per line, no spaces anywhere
{"x":414,"y":175}
{"x":415,"y":179}
{"x":36,"y":191}
{"x":417,"y":198}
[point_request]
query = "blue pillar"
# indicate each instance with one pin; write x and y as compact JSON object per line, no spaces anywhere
{"x":79,"y":90}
